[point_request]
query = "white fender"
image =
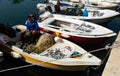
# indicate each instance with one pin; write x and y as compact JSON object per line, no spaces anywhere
{"x":41,"y":7}
{"x":58,"y":39}
{"x":1,"y":53}
{"x":65,"y":35}
{"x":16,"y":55}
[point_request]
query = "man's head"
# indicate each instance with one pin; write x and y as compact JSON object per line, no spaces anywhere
{"x":30,"y":18}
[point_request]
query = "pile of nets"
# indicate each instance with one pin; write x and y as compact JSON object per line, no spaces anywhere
{"x":45,"y":41}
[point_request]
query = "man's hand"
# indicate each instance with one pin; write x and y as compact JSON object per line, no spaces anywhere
{"x":34,"y":32}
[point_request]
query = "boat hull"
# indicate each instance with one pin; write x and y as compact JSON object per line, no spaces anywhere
{"x":81,"y":40}
{"x":99,"y":21}
{"x":90,"y":41}
{"x":29,"y":59}
{"x":101,"y":4}
{"x":51,"y":61}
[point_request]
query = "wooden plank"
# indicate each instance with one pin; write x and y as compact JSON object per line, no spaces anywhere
{"x":112,"y":67}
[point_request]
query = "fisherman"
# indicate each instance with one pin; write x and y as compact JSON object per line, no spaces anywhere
{"x":46,"y":2}
{"x":48,"y":6}
{"x":32,"y":30}
{"x":57,"y":7}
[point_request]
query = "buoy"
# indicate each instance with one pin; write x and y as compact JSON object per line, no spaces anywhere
{"x":16,"y":55}
{"x":1,"y":53}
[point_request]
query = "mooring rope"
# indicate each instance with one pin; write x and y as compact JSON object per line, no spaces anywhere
{"x":16,"y":68}
{"x":114,"y":45}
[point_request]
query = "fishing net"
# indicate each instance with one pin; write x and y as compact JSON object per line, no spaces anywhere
{"x":45,"y":41}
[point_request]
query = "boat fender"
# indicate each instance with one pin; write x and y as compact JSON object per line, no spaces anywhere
{"x":90,"y":56}
{"x":41,"y":7}
{"x":58,"y":39}
{"x":65,"y":35}
{"x":1,"y":54}
{"x":16,"y":55}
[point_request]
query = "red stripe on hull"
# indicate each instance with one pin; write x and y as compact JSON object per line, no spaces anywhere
{"x":89,"y":40}
{"x":82,"y":40}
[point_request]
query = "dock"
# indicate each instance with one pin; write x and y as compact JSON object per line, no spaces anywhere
{"x":112,"y":67}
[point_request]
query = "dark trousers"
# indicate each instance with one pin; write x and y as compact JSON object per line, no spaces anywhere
{"x":31,"y":38}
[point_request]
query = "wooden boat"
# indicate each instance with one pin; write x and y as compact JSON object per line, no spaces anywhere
{"x":78,"y":31}
{"x":63,"y":55}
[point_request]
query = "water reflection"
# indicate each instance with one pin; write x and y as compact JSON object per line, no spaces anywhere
{"x":14,"y":12}
{"x":16,"y":1}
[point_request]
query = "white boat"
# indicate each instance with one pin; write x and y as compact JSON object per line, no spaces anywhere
{"x":88,"y":4}
{"x":94,"y":15}
{"x":64,"y":4}
{"x":64,"y":55}
{"x":98,"y":16}
{"x":100,"y":4}
{"x":78,"y":31}
{"x":112,"y":1}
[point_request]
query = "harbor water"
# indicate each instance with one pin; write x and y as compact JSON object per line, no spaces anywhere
{"x":13,"y":12}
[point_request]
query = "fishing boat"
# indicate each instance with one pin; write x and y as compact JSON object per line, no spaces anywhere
{"x":63,"y":55}
{"x":112,"y":1}
{"x":95,"y":16}
{"x":88,"y":4}
{"x":41,"y":7}
{"x":78,"y":31}
{"x":98,"y":16}
{"x":100,"y":4}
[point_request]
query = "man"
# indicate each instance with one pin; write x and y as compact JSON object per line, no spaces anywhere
{"x":32,"y":30}
{"x":57,"y":7}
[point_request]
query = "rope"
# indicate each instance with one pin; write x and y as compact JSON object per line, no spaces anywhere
{"x":95,"y":68}
{"x":114,"y":45}
{"x":16,"y":68}
{"x":117,"y":9}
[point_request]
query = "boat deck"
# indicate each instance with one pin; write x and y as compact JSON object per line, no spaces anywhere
{"x":112,"y":67}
